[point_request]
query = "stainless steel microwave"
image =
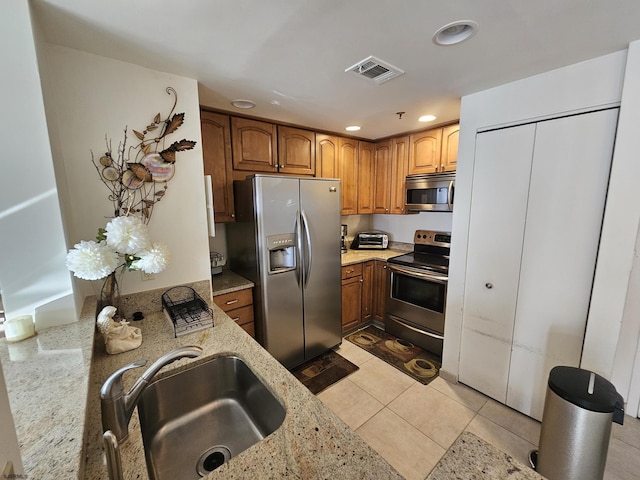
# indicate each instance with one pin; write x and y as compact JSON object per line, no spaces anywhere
{"x":430,"y":192}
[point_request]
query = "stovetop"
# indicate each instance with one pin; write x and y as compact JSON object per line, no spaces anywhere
{"x":435,"y":263}
{"x":430,"y":252}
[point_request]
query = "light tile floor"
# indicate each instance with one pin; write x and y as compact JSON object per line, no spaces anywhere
{"x":412,"y":425}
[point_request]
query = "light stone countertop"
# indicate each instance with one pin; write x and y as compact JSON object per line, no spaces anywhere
{"x":312,"y":443}
{"x":47,"y":380}
{"x":470,"y":457}
{"x":227,"y":282}
{"x":351,"y":257}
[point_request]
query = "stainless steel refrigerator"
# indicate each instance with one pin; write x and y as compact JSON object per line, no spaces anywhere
{"x":286,"y":239}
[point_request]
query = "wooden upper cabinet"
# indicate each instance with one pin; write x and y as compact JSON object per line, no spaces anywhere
{"x":424,"y":154}
{"x":450,"y":137}
{"x":216,"y":152}
{"x":366,"y":176}
{"x":348,"y":174}
{"x":254,"y":145}
{"x":399,"y":166}
{"x":327,"y":156}
{"x":296,"y":151}
{"x":382,"y":184}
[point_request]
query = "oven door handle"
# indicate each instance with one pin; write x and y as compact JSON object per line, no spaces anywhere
{"x":420,"y":275}
{"x":417,"y":330}
{"x":450,"y":196}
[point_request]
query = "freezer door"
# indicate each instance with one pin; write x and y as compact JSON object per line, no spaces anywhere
{"x":279,"y":309}
{"x":320,"y":208}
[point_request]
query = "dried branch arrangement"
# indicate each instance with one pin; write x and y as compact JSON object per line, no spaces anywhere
{"x":137,"y":177}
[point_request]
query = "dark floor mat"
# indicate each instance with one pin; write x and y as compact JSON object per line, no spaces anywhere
{"x":323,"y":371}
{"x":419,"y":364}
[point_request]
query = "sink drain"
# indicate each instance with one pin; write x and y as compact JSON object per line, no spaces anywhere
{"x":212,"y":459}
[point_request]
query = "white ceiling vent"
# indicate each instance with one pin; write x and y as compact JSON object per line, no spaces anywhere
{"x":375,"y":70}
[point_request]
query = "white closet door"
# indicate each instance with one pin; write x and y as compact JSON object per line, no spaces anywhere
{"x":498,"y":208}
{"x":569,"y":178}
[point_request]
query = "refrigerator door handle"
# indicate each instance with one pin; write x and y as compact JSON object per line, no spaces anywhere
{"x":298,"y":232}
{"x":309,"y":256}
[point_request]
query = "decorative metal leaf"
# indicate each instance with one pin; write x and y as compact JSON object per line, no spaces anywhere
{"x":152,"y":127}
{"x":157,"y":118}
{"x":174,"y":124}
{"x":160,"y":193}
{"x":168,"y":156}
{"x":181,"y":145}
{"x":148,"y":203}
{"x":146,"y":149}
{"x":145,"y":212}
{"x":139,"y":135}
{"x":140,"y":171}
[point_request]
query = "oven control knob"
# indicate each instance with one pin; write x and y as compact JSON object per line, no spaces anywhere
{"x":489,"y":285}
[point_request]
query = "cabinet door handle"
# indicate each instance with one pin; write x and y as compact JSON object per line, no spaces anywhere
{"x":235,"y":319}
{"x":231,"y":302}
{"x":350,"y":271}
{"x":489,"y":285}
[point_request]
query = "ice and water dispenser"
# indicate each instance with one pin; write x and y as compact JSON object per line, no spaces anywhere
{"x":282,"y":252}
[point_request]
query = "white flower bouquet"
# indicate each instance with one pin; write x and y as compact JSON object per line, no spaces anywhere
{"x":125,"y":242}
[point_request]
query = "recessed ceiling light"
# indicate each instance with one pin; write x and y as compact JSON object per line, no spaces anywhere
{"x":353,"y":128}
{"x":427,"y":118}
{"x":245,"y":104}
{"x":455,"y":32}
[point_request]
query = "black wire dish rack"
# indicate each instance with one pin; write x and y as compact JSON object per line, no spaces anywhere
{"x":186,"y":310}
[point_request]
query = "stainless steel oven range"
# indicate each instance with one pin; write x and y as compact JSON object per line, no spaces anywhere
{"x":415,"y":307}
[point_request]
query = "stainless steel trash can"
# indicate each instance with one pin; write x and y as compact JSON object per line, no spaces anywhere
{"x":576,"y":424}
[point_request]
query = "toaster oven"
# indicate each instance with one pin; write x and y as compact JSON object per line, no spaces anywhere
{"x":370,"y":240}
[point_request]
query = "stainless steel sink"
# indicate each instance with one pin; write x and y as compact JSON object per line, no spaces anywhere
{"x":195,"y":420}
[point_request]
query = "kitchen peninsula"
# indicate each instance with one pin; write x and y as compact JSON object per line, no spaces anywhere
{"x":311,"y":443}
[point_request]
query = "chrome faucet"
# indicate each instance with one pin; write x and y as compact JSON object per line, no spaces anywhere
{"x":117,"y":406}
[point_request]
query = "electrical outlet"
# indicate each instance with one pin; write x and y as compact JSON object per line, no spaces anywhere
{"x":147,"y":276}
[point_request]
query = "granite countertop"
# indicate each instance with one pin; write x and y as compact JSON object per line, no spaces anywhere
{"x":312,"y":443}
{"x":227,"y":282}
{"x":47,"y":383}
{"x":351,"y":257}
{"x":470,"y":457}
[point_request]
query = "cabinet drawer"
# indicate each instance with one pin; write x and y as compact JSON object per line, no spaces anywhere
{"x":354,"y":270}
{"x":233,"y":300}
{"x":242,"y":315}
{"x":249,"y":328}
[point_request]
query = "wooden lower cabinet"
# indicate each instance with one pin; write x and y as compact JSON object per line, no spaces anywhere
{"x":363,"y":293}
{"x":379,"y":289}
{"x":367,"y":291}
{"x":239,"y":306}
{"x":351,"y":296}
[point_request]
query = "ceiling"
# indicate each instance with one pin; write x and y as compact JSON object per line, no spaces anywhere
{"x":290,"y":56}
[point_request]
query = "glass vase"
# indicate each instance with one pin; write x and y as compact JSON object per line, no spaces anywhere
{"x":110,"y":295}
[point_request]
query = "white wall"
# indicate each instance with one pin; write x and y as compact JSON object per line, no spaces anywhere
{"x":575,"y":88}
{"x":613,"y":329}
{"x":403,"y":227}
{"x":31,"y":240}
{"x":88,"y":97}
{"x":32,"y":243}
